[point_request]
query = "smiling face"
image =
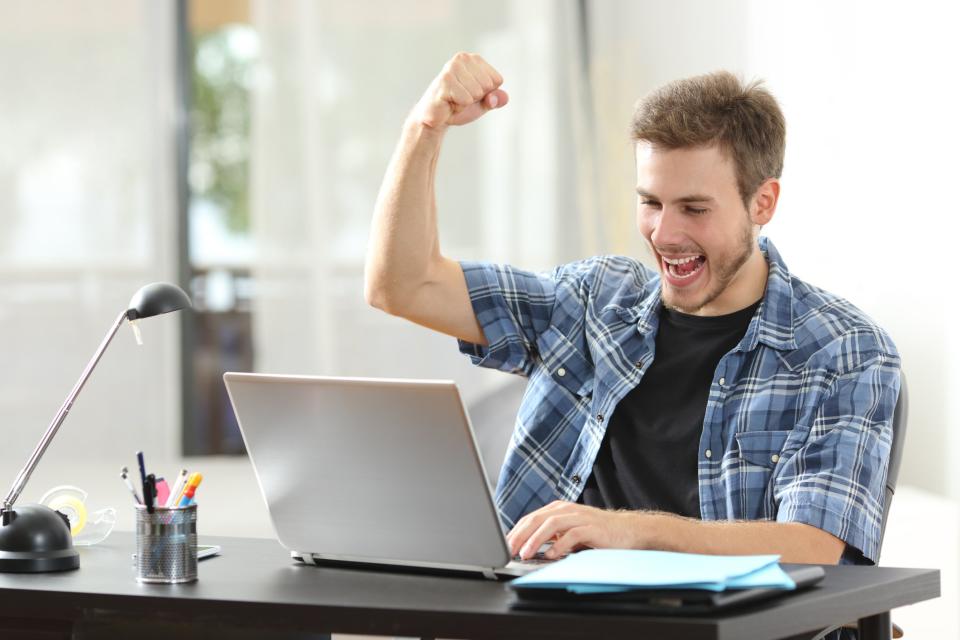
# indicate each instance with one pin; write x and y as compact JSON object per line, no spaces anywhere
{"x":703,"y":237}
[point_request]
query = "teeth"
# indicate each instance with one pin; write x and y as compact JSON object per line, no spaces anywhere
{"x":680,"y":260}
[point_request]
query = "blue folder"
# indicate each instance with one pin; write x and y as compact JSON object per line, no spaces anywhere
{"x":613,"y":570}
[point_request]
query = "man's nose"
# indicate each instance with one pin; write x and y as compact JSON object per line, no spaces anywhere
{"x":669,"y":229}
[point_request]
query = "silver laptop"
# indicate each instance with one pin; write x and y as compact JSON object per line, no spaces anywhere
{"x":371,"y":471}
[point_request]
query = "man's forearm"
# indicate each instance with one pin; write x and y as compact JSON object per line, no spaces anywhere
{"x":403,"y":236}
{"x":793,"y":541}
{"x":573,"y":526}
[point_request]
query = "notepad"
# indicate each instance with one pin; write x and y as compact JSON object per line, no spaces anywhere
{"x":615,"y":570}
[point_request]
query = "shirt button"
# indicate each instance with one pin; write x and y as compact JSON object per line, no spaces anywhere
{"x":708,"y":453}
{"x":722,"y":381}
{"x":561,"y":372}
{"x":575,"y":479}
{"x":599,"y":417}
{"x":774,"y":458}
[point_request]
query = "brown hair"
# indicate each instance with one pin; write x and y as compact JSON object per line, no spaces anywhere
{"x":718,"y":109}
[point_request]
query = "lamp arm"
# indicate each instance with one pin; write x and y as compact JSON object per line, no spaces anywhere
{"x":27,"y":470}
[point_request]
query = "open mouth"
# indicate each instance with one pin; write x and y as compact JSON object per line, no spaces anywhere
{"x":683,"y":268}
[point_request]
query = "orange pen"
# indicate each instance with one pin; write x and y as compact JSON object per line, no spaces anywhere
{"x":189,"y":489}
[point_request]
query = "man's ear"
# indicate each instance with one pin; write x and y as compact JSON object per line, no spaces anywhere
{"x":764,"y":203}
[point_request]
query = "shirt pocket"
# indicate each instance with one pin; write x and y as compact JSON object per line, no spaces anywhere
{"x":762,"y":448}
{"x":758,"y":454}
{"x":565,"y":363}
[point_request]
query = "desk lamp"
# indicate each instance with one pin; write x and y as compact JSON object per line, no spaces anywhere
{"x":34,"y":538}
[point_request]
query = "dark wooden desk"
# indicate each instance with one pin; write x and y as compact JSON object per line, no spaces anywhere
{"x":254,"y":587}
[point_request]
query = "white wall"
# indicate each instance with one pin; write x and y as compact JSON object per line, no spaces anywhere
{"x":868,"y":212}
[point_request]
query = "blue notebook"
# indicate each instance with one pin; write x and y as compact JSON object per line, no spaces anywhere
{"x":597,"y":571}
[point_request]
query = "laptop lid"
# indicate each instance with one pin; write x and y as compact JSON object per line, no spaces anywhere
{"x":369,"y":470}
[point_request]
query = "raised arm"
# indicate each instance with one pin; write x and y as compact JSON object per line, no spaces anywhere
{"x":406,"y":274}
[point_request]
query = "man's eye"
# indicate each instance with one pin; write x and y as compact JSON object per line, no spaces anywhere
{"x":650,"y":203}
{"x":696,"y":211}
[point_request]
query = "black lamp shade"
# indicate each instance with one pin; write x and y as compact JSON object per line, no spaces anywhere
{"x":154,"y":299}
{"x":35,"y":538}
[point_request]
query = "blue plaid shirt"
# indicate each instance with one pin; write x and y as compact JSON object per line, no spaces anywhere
{"x":798,"y":417}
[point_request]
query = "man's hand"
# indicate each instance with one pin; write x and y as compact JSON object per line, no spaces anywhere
{"x":467,"y":88}
{"x":572,"y":527}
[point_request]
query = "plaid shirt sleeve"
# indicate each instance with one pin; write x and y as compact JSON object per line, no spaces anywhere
{"x":514,"y":307}
{"x":835,"y":480}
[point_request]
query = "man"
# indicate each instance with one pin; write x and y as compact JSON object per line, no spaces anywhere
{"x":715,"y":405}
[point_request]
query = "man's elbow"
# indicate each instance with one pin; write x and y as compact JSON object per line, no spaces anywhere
{"x":376,"y":295}
{"x":380,"y":293}
{"x":825,"y":555}
{"x":820,"y":547}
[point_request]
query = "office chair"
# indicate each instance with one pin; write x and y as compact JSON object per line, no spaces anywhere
{"x":900,"y":414}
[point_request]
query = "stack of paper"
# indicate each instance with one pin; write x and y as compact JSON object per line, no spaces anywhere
{"x":614,"y":570}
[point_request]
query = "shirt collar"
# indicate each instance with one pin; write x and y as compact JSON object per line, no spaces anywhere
{"x":648,"y":311}
{"x":773,"y":324}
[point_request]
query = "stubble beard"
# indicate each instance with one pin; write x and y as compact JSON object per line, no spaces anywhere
{"x":724,"y":270}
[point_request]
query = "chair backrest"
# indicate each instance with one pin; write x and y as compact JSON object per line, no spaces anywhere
{"x":900,"y":414}
{"x":493,"y":416}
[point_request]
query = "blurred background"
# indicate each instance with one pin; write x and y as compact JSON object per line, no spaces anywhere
{"x":236,"y":147}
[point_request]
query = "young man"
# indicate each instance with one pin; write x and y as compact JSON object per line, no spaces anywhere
{"x":715,"y":405}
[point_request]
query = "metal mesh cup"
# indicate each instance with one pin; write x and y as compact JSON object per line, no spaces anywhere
{"x":167,"y":544}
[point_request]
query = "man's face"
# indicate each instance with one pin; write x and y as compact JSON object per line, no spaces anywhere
{"x":690,"y":212}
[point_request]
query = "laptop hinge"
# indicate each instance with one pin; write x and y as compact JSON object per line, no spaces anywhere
{"x":489,"y":574}
{"x":308,"y":559}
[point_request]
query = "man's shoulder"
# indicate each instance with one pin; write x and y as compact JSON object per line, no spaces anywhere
{"x":825,"y":320}
{"x":608,"y":277}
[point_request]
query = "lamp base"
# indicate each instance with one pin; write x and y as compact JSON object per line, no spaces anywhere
{"x":36,"y":539}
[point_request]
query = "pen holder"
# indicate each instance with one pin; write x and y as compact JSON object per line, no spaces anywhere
{"x":166,"y":544}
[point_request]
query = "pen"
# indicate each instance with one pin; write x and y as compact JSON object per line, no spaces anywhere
{"x":190,"y":490}
{"x":143,"y":469}
{"x":177,"y":489}
{"x":150,"y":492}
{"x":126,"y":481}
{"x":183,"y":488}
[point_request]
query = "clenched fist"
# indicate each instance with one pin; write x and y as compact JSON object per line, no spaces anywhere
{"x":467,"y":88}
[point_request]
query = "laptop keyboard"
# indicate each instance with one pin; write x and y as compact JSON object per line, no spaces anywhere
{"x":537,"y":559}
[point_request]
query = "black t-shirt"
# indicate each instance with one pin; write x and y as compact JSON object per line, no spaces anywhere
{"x":648,"y":457}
